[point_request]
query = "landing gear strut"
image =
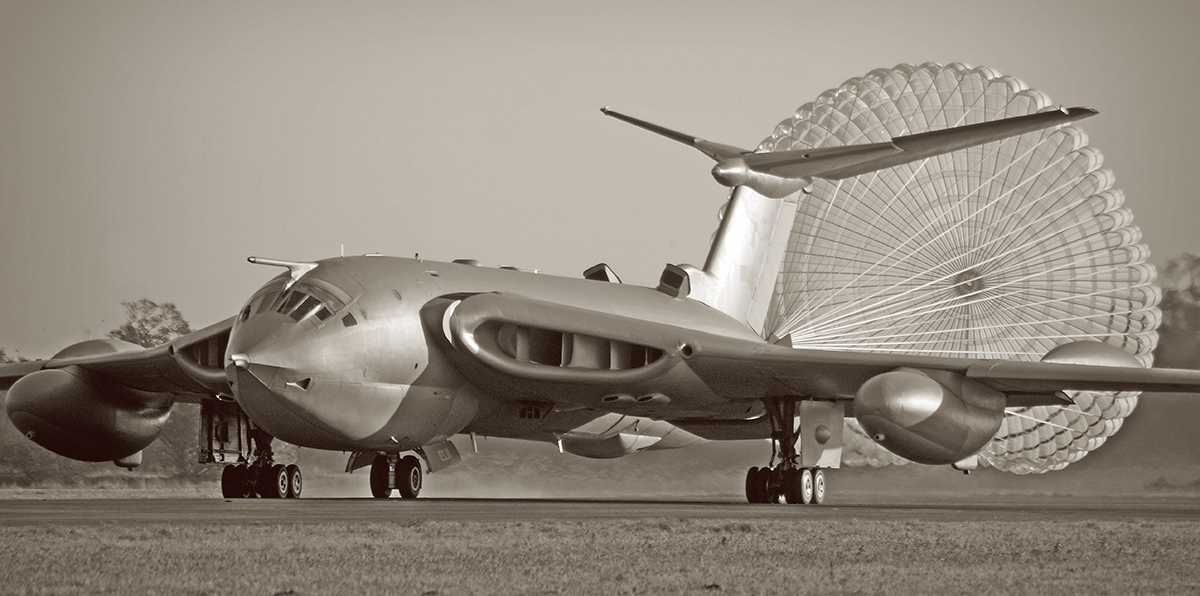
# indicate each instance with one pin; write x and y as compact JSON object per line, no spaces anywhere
{"x":391,"y":471}
{"x":262,"y":477}
{"x":785,"y":481}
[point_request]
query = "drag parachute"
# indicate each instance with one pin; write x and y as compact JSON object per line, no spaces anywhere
{"x":1004,"y":250}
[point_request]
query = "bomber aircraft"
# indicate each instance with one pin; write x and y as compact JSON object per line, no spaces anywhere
{"x":388,"y":358}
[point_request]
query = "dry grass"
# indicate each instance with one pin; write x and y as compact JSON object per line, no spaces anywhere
{"x":598,"y":557}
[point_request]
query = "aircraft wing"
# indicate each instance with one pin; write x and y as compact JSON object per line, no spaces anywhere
{"x":573,"y":357}
{"x":190,"y":367}
{"x":768,"y":369}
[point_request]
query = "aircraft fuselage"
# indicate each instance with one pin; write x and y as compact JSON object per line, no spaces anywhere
{"x":341,"y":358}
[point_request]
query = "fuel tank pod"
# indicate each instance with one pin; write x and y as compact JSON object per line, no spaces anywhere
{"x":929,"y":417}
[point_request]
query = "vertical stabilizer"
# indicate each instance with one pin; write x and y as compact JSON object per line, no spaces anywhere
{"x":747,"y":252}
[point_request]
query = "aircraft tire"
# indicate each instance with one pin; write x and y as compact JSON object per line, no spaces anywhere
{"x":752,"y":485}
{"x":758,"y":485}
{"x":805,"y":480}
{"x":230,"y":482}
{"x":409,"y":477}
{"x":379,"y":478}
{"x":775,"y":487}
{"x":792,"y":488}
{"x":818,"y":497}
{"x":245,"y":481}
{"x":274,"y":482}
{"x":295,"y":481}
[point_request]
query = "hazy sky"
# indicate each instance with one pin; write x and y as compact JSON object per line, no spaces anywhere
{"x":148,"y":148}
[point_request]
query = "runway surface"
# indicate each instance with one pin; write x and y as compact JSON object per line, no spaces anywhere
{"x":125,"y":512}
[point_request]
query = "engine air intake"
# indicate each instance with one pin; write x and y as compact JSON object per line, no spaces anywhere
{"x":572,"y":350}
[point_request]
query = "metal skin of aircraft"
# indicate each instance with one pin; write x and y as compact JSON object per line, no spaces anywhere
{"x":388,"y":358}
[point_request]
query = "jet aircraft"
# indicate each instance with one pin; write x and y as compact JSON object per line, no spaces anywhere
{"x":388,"y":358}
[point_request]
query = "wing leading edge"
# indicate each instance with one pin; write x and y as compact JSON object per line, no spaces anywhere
{"x":190,"y":367}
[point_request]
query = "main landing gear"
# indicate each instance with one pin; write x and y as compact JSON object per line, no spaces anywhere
{"x":402,"y":473}
{"x":784,"y":481}
{"x":263,"y":477}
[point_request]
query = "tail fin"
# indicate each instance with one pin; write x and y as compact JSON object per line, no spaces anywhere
{"x":744,"y":262}
{"x":747,"y":252}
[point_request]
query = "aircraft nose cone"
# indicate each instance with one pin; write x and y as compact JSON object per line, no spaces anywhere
{"x":253,"y":337}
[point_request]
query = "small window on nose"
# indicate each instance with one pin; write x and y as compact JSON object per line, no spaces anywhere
{"x":349,"y":320}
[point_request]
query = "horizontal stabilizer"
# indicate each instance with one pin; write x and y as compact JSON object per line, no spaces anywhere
{"x":938,"y":142}
{"x":779,"y":173}
{"x":716,"y":151}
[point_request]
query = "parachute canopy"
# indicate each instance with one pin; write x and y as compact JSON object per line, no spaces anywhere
{"x":1004,"y":250}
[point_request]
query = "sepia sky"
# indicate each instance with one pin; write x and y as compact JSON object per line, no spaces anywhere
{"x":147,"y":148}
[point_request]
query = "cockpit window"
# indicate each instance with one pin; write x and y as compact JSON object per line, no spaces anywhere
{"x":306,"y":308}
{"x":266,"y":301}
{"x":290,"y":301}
{"x":306,"y":299}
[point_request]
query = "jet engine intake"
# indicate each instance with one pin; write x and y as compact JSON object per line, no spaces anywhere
{"x":929,"y":416}
{"x":81,"y":415}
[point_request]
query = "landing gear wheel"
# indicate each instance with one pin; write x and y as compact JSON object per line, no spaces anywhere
{"x":806,"y":486}
{"x":818,"y":476}
{"x":409,"y":477}
{"x":231,"y":482}
{"x":245,"y":481}
{"x":380,"y":488}
{"x":776,"y":489}
{"x":295,"y":481}
{"x":274,"y":482}
{"x":793,"y":488}
{"x":756,"y":485}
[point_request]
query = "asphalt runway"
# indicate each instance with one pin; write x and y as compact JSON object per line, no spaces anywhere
{"x":175,"y":511}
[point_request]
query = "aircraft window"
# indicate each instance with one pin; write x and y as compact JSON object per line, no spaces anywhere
{"x":323,"y":313}
{"x":305,"y":308}
{"x":265,"y":302}
{"x":290,"y":301}
{"x":333,"y":303}
{"x":349,"y":320}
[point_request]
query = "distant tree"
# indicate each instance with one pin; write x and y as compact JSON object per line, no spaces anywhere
{"x":150,"y":323}
{"x":6,"y":358}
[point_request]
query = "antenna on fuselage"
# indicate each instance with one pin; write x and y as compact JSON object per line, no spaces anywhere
{"x":297,"y":269}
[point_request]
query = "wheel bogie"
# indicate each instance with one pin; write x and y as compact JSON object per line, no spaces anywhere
{"x":796,"y":486}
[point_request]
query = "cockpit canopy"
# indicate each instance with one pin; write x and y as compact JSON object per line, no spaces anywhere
{"x":309,"y":297}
